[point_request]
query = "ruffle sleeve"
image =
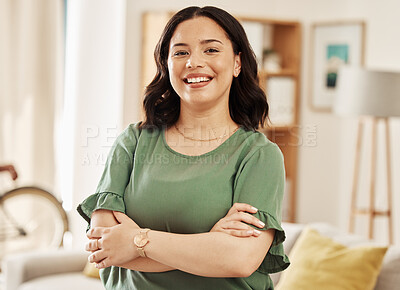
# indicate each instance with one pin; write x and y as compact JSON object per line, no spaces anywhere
{"x":116,"y":176}
{"x":102,"y":200}
{"x":276,"y":259}
{"x":260,"y":183}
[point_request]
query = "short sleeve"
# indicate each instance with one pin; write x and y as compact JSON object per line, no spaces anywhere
{"x":116,"y":175}
{"x":260,"y":183}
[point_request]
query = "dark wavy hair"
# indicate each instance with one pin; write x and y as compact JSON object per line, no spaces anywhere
{"x":248,"y":104}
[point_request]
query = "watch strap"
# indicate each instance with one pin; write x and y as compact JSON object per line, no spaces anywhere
{"x":142,"y":253}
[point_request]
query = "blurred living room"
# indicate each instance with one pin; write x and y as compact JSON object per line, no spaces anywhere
{"x":72,"y":78}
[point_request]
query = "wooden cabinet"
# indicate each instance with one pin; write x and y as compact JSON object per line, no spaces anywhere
{"x":276,"y":44}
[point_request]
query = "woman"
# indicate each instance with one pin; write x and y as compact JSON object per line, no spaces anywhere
{"x":195,"y":179}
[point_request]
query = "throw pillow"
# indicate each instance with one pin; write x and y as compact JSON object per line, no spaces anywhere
{"x":317,"y":262}
{"x":91,"y":271}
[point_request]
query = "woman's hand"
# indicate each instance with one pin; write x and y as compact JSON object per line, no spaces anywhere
{"x":236,"y":221}
{"x":112,"y":246}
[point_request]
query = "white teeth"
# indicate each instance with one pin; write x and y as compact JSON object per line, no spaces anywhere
{"x":197,"y":80}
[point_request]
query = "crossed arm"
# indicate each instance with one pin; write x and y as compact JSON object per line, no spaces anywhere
{"x":105,"y":218}
{"x":225,"y":251}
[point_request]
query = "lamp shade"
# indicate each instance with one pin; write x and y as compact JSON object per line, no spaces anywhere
{"x":364,"y":92}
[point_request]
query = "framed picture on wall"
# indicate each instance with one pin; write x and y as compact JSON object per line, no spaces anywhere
{"x":333,"y":44}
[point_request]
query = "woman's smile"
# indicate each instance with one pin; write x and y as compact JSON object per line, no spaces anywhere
{"x":198,"y":80}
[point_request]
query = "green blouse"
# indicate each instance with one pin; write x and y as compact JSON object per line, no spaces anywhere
{"x":164,"y":190}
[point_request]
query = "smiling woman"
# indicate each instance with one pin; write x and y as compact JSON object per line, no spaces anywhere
{"x":201,"y":64}
{"x":191,"y":197}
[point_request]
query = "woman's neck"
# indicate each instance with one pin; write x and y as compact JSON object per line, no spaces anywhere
{"x":211,"y":118}
{"x":205,"y":125}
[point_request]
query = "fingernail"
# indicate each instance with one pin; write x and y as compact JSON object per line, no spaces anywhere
{"x":261,"y":223}
{"x":254,"y":209}
{"x":250,"y":232}
{"x":257,"y":232}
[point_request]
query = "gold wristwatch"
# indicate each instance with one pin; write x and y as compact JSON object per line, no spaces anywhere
{"x":141,"y":240}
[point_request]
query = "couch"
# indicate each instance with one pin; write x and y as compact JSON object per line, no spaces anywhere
{"x":48,"y":270}
{"x":62,"y":269}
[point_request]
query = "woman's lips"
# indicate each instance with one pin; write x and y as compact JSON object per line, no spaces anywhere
{"x":198,"y":84}
{"x":197,"y":80}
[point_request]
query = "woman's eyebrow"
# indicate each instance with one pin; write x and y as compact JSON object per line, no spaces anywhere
{"x":179,"y":44}
{"x":205,"y":41}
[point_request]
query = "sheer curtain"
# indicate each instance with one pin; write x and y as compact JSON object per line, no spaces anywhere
{"x":31,"y":86}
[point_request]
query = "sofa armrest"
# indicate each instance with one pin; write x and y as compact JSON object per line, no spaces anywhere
{"x":22,"y":267}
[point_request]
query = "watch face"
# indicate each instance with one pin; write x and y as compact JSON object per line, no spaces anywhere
{"x":140,"y":241}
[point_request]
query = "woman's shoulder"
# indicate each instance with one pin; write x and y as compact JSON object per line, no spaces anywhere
{"x":257,"y":139}
{"x":130,"y":135}
{"x":132,"y":132}
{"x":136,"y":131}
{"x":257,"y":143}
{"x":134,"y":128}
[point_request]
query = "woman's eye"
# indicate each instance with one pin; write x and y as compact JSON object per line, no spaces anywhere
{"x":212,"y":50}
{"x":180,"y":53}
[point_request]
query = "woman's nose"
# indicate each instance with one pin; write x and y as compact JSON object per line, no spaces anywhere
{"x":195,"y":60}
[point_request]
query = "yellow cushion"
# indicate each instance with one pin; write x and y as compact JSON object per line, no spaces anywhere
{"x":91,"y":271}
{"x":317,"y":262}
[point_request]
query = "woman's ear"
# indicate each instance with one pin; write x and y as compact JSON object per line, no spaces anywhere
{"x":238,"y":65}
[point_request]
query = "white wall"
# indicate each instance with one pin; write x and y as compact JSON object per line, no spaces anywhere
{"x":31,"y":75}
{"x":95,"y":49}
{"x":325,"y":170}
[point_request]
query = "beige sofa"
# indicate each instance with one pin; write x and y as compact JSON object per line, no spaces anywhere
{"x":48,"y":270}
{"x":59,"y":270}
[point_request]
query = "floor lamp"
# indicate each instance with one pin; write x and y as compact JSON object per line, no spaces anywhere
{"x":375,"y":95}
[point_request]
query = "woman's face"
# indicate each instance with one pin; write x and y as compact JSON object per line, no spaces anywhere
{"x":201,"y":63}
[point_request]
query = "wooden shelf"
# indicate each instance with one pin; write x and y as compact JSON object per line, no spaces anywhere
{"x":279,"y":128}
{"x":283,"y":93}
{"x":282,"y":73}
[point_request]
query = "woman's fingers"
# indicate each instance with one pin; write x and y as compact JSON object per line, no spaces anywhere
{"x":237,"y":221}
{"x":241,"y":226}
{"x":237,"y":225}
{"x":247,"y":218}
{"x":237,"y":207}
{"x":96,"y":232}
{"x":235,"y":228}
{"x":97,"y":256}
{"x":109,"y":244}
{"x":93,"y":245}
{"x":239,"y":229}
{"x":104,"y":264}
{"x":242,"y":233}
